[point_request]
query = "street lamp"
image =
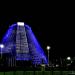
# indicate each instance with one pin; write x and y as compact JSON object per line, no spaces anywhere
{"x":48,"y":48}
{"x":69,"y":61}
{"x":1,"y":47}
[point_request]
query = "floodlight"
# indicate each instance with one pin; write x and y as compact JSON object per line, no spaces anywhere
{"x":20,"y":23}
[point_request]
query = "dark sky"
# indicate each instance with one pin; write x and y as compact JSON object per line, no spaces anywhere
{"x":56,"y":30}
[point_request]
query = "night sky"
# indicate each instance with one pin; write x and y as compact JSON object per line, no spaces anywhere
{"x":56,"y":30}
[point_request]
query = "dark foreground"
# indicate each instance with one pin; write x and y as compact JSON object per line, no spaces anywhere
{"x":35,"y":71}
{"x":38,"y":73}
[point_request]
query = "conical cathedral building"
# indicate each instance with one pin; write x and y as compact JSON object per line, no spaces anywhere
{"x":21,"y":44}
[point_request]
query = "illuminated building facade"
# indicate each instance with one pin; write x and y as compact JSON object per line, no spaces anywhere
{"x":20,"y":43}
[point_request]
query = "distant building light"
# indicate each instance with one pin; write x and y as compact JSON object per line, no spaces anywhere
{"x":43,"y":65}
{"x":57,"y":65}
{"x":68,"y":58}
{"x":68,"y":64}
{"x":1,"y":46}
{"x":20,"y":23}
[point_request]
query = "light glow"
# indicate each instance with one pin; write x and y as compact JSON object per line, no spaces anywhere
{"x":20,"y":23}
{"x":48,"y":47}
{"x":68,"y":58}
{"x":1,"y":46}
